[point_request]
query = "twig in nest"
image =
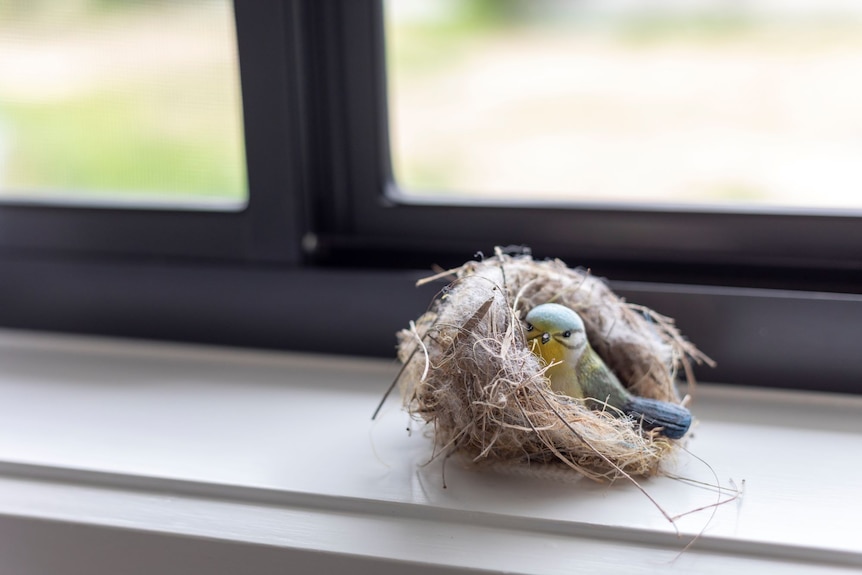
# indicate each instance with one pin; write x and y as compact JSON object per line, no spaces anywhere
{"x":393,"y":384}
{"x":437,"y":276}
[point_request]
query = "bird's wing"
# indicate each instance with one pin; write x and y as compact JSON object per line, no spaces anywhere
{"x":599,"y":382}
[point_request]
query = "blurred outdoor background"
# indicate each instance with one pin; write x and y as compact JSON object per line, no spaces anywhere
{"x":753,"y":102}
{"x":119,"y":100}
{"x":742,"y":102}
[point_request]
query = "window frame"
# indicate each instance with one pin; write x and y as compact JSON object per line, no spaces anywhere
{"x":266,"y":229}
{"x":383,"y":217}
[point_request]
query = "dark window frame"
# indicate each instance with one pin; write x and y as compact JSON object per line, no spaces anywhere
{"x":325,"y":256}
{"x":265,"y":230}
{"x":382,"y":217}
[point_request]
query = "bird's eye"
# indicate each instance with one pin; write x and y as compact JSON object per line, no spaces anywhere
{"x":529,"y":327}
{"x":567,"y":333}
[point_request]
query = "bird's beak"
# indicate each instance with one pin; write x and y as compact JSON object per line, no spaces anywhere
{"x":546,"y":337}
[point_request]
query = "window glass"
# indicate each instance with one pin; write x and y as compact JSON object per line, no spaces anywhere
{"x":749,"y":102}
{"x":121,"y":101}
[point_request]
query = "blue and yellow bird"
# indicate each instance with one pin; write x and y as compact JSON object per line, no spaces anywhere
{"x":556,"y":334}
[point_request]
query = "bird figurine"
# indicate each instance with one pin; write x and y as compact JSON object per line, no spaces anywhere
{"x":557,"y":335}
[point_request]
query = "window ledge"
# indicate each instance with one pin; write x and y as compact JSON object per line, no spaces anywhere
{"x":140,"y":457}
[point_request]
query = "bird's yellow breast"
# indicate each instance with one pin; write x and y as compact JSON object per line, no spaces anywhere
{"x":551,"y":352}
{"x":563,"y":376}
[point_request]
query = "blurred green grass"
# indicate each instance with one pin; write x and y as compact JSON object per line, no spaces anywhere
{"x":143,"y":131}
{"x":108,"y":143}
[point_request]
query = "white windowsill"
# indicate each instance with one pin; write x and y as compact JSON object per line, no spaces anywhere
{"x":170,"y":458}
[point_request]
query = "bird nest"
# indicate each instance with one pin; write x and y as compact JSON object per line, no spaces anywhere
{"x":469,"y":373}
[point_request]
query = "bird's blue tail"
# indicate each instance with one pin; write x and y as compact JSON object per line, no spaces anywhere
{"x":672,"y":418}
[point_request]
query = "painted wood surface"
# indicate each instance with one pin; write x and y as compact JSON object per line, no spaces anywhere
{"x":274,"y":456}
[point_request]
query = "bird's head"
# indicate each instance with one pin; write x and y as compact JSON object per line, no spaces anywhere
{"x":556,"y":333}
